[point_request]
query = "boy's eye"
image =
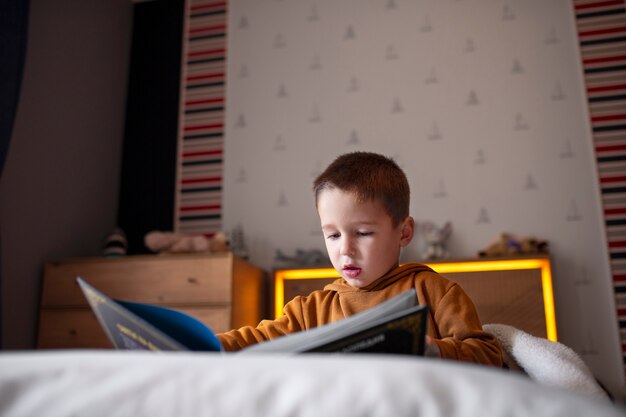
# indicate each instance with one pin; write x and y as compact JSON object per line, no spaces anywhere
{"x":364,"y":233}
{"x":332,"y":236}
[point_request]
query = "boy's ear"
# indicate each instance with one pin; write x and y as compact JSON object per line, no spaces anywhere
{"x":408,"y":229}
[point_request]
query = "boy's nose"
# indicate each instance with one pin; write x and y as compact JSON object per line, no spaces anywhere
{"x":346,"y":247}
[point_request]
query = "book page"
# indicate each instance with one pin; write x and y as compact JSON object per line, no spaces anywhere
{"x":310,"y":339}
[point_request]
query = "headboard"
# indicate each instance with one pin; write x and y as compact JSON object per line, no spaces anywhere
{"x":515,"y":291}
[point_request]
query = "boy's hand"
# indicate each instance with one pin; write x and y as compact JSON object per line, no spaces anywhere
{"x":431,"y":350}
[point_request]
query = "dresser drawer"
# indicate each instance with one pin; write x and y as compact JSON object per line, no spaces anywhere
{"x":71,"y":328}
{"x":79,"y":328}
{"x":150,"y":279}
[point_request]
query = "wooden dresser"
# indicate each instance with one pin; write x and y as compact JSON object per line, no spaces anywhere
{"x":221,"y":290}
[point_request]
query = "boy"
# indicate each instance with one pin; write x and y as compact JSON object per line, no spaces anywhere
{"x":362,"y":200}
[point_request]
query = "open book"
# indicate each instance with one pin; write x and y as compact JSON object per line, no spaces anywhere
{"x":397,"y":325}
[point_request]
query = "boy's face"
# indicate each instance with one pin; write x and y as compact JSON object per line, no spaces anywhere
{"x":360,"y":239}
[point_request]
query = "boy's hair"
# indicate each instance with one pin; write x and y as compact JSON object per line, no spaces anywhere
{"x":371,"y":177}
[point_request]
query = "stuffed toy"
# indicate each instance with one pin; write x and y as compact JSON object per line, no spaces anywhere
{"x":509,"y":245}
{"x":312,"y":257}
{"x":218,"y":243}
{"x":436,"y":239}
{"x":115,"y":244}
{"x":171,"y":242}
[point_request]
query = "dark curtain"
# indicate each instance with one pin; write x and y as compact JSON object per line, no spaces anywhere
{"x":150,"y":138}
{"x":13,"y":33}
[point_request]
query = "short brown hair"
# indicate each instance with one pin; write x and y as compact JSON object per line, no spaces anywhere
{"x":371,"y":177}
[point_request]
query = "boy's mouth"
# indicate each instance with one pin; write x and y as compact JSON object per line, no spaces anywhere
{"x":351,"y":271}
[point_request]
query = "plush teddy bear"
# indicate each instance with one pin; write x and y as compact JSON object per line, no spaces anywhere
{"x":172,"y":242}
{"x":436,"y":239}
{"x":509,"y":245}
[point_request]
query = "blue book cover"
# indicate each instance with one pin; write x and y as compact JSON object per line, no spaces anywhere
{"x":130,"y":325}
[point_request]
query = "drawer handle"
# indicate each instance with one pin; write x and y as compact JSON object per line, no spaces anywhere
{"x":73,"y":332}
{"x":192,"y":280}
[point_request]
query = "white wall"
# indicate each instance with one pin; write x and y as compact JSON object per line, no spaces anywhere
{"x":500,"y":82}
{"x":59,"y":189}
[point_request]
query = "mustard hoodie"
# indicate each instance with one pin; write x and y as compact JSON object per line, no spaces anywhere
{"x":453,"y":321}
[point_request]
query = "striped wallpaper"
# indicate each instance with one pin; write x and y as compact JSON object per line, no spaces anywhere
{"x":602,"y":36}
{"x":201,"y":127}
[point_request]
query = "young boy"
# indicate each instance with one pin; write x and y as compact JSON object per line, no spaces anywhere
{"x":363,"y":203}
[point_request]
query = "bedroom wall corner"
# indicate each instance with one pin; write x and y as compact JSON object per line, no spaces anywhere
{"x":59,"y":188}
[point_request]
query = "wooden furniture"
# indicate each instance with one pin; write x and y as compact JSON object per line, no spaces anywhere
{"x":515,"y":291}
{"x":220,"y":290}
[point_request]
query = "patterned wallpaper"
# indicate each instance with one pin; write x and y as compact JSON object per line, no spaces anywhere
{"x":601,"y":27}
{"x":482,"y":102}
{"x":201,"y":129}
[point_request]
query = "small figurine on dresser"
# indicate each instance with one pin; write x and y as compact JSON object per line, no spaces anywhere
{"x":510,"y":245}
{"x":302,"y":258}
{"x":436,"y":239}
{"x":115,"y":244}
{"x":237,"y":242}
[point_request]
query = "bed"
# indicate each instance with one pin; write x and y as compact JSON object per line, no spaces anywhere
{"x":135,"y":383}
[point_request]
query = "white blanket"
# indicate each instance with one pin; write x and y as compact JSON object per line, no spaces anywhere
{"x":130,"y":383}
{"x":547,"y":362}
